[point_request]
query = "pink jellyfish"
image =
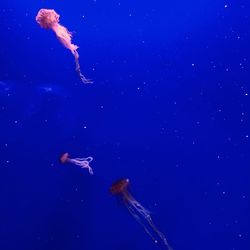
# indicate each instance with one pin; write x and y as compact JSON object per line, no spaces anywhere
{"x":82,"y":162}
{"x":49,"y":19}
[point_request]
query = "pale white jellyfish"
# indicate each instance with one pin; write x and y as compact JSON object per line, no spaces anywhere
{"x":49,"y":19}
{"x":82,"y":162}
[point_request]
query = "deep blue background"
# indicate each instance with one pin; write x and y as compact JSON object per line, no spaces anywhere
{"x":169,"y":109}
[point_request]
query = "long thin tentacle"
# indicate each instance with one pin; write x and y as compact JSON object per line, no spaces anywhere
{"x":140,"y":213}
{"x":78,"y":69}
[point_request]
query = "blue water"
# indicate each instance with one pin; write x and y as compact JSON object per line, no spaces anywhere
{"x":168,"y":109}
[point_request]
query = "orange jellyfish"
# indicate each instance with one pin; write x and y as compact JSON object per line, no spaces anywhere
{"x":49,"y":19}
{"x":82,"y":162}
{"x":140,"y":214}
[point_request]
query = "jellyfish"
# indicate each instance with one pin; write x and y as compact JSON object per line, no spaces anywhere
{"x":140,"y":214}
{"x":82,"y":162}
{"x":49,"y":19}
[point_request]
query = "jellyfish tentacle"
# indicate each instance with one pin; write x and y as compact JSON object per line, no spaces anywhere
{"x":90,"y":170}
{"x":83,"y":163}
{"x":142,"y":210}
{"x":140,"y":213}
{"x":137,"y":205}
{"x":79,"y":162}
{"x":78,"y":69}
{"x":86,"y":165}
{"x":76,"y":162}
{"x":160,"y":234}
{"x":148,"y":218}
{"x":88,"y":159}
{"x":132,"y":211}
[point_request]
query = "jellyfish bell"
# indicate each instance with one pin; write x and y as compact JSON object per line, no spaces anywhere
{"x":119,"y":186}
{"x":46,"y":18}
{"x":64,"y":158}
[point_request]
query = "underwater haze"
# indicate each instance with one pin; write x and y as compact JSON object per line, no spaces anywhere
{"x":168,"y":109}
